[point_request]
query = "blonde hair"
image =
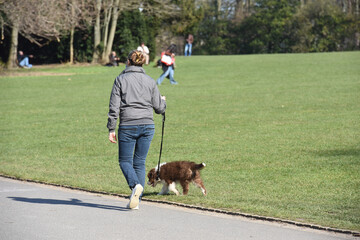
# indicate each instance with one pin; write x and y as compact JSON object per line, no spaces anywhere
{"x":136,"y":58}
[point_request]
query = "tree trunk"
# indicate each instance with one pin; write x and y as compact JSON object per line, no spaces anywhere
{"x":97,"y":35}
{"x":349,"y":7}
{"x":218,"y":8}
{"x":248,"y":4}
{"x":302,"y":3}
{"x":105,"y":34}
{"x":11,"y":63}
{"x":239,"y":11}
{"x":72,"y":30}
{"x":114,"y":18}
{"x":72,"y":45}
{"x":2,"y":29}
{"x":344,"y":6}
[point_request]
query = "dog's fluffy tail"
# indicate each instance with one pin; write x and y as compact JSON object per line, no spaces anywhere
{"x":200,"y":166}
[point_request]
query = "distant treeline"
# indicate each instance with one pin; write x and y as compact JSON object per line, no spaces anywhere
{"x":218,"y":27}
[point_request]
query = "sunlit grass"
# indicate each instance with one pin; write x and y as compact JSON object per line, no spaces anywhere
{"x":280,"y":134}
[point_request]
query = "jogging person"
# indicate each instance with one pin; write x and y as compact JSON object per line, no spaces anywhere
{"x":168,"y":65}
{"x":133,"y":98}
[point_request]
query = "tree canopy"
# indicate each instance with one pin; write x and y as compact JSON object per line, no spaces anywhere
{"x":87,"y":31}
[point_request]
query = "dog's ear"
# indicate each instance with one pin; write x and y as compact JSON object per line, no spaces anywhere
{"x":157,"y":176}
{"x":151,"y":174}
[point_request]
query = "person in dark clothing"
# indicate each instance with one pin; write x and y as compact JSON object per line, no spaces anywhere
{"x":113,"y":60}
{"x":23,"y":60}
{"x":134,"y":98}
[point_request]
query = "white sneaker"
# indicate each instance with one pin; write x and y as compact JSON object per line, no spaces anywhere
{"x":135,"y":208}
{"x":134,"y":198}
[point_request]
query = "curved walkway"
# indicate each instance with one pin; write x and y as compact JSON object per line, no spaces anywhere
{"x":36,"y":211}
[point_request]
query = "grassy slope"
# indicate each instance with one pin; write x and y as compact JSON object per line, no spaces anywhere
{"x":279,"y":133}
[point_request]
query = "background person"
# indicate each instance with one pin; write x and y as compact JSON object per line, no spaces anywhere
{"x":114,"y":60}
{"x":145,"y":50}
{"x":188,"y":45}
{"x":134,"y":96}
{"x":168,"y":65}
{"x":23,"y":60}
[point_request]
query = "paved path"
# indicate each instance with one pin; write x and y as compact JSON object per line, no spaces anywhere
{"x":35,"y":212}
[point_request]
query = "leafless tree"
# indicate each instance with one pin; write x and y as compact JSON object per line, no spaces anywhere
{"x":349,"y":6}
{"x":82,"y":13}
{"x":107,"y":13}
{"x":39,"y":20}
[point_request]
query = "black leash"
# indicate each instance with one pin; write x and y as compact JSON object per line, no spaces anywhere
{"x":162,"y":138}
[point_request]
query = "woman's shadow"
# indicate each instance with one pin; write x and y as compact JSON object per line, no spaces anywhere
{"x":72,"y":201}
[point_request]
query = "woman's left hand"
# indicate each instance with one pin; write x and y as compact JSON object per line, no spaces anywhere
{"x":112,"y":137}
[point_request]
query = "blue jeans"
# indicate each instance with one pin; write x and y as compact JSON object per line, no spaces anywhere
{"x":134,"y":143}
{"x":170,"y":71}
{"x":188,"y":49}
{"x":25,"y":63}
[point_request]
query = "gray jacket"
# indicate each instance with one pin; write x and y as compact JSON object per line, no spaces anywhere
{"x":133,"y":97}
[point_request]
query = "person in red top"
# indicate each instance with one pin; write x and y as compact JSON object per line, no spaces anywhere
{"x":168,"y":65}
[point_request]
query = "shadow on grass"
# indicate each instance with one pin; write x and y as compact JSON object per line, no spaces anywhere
{"x":73,"y":201}
{"x":338,"y":152}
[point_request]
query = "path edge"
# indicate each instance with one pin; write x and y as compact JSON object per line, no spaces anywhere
{"x":188,"y":206}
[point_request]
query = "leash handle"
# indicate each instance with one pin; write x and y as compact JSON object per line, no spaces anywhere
{"x":162,"y":138}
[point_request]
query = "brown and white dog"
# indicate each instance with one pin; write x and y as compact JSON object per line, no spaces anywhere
{"x":182,"y":171}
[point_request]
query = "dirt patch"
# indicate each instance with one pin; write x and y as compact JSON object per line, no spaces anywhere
{"x":19,"y":74}
{"x":37,"y":70}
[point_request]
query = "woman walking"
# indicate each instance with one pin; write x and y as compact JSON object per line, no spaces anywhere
{"x":133,"y":98}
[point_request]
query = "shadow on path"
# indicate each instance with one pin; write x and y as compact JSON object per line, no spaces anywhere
{"x":72,"y":201}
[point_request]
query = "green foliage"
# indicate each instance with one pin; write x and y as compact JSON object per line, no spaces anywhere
{"x":280,"y":26}
{"x":266,"y":30}
{"x":83,"y":47}
{"x":133,"y":28}
{"x":321,"y":27}
{"x":187,"y":22}
{"x":213,"y":37}
{"x":213,"y":34}
{"x":270,"y":26}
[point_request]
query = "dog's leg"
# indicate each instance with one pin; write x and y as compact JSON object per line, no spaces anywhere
{"x":185,"y":186}
{"x":164,"y":190}
{"x":199,"y":183}
{"x":172,"y":187}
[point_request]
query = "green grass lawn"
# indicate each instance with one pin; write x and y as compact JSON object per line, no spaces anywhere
{"x":280,"y":134}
